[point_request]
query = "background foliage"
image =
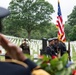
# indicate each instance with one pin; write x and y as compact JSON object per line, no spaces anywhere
{"x":29,"y":15}
{"x":32,"y":19}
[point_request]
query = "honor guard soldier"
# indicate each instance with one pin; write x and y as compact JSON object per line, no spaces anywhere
{"x":25,"y":48}
{"x":50,"y":48}
{"x":59,"y":46}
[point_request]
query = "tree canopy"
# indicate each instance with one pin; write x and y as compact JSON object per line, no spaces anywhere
{"x":72,"y":17}
{"x":29,"y":15}
{"x":72,"y":35}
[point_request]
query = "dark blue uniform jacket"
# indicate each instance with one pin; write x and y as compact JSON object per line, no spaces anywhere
{"x":16,"y":69}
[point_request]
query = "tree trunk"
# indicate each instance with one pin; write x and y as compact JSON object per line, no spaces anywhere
{"x":29,"y":35}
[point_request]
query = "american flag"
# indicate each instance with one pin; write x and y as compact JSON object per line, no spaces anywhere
{"x":60,"y":25}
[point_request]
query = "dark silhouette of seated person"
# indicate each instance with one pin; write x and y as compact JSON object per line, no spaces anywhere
{"x":25,"y":47}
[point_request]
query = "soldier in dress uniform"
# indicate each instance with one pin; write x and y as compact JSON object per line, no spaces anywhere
{"x":15,"y":65}
{"x":25,"y":47}
{"x":59,"y":46}
{"x":50,"y":48}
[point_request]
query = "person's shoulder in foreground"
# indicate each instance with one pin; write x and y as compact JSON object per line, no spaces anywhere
{"x":14,"y":52}
{"x":15,"y":65}
{"x":8,"y":68}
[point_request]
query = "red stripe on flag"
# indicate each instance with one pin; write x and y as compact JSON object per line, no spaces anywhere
{"x":60,"y":25}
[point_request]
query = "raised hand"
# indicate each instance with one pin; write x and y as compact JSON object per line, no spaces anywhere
{"x":13,"y":51}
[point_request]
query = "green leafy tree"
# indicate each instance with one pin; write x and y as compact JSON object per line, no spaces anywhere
{"x":72,"y":17}
{"x":10,"y":29}
{"x":48,"y":32}
{"x":72,"y":35}
{"x":52,"y":31}
{"x":68,"y":29}
{"x":30,"y":15}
